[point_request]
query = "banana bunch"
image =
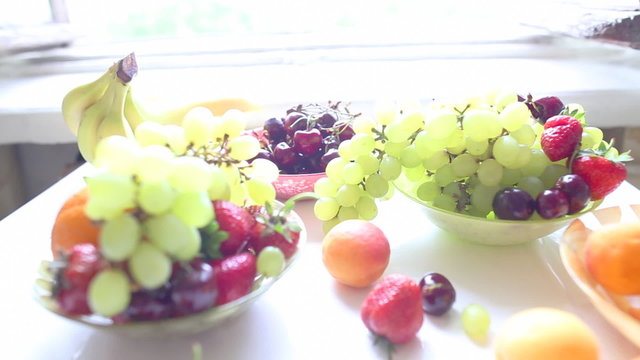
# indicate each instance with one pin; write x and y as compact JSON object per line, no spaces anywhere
{"x":107,"y":106}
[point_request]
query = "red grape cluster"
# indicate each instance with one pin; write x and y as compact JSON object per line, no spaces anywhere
{"x":307,"y":138}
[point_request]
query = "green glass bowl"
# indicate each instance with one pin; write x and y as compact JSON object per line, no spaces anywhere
{"x":487,"y":231}
{"x":182,"y":326}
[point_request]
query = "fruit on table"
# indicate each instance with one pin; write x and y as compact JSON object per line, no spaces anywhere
{"x":438,"y":294}
{"x":72,"y":226}
{"x":476,"y":321}
{"x":602,"y":169}
{"x":611,"y":257}
{"x":356,"y":252}
{"x":393,"y":309}
{"x":545,"y":333}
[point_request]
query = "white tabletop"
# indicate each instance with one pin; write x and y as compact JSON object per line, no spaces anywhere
{"x":307,"y":315}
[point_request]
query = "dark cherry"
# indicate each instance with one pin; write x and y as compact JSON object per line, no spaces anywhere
{"x":264,"y":154}
{"x":295,"y":121}
{"x":438,"y":295}
{"x":328,"y":156}
{"x":193,"y":287}
{"x":513,"y":204}
{"x":552,"y":203}
{"x":284,"y":155}
{"x":307,"y":142}
{"x":345,"y":132}
{"x":576,"y":190}
{"x":274,"y":130}
{"x":548,"y":106}
{"x":326,"y":120}
{"x":145,"y":306}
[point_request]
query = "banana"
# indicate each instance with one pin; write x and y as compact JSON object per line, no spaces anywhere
{"x":114,"y":122}
{"x":79,"y":99}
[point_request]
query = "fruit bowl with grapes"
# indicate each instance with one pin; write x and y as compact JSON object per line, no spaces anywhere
{"x":302,"y":142}
{"x":174,"y":232}
{"x":496,"y":169}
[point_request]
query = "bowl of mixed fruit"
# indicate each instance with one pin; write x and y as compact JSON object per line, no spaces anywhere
{"x":302,"y":142}
{"x":498,"y":169}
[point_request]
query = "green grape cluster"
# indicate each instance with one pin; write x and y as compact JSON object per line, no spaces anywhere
{"x":454,"y":156}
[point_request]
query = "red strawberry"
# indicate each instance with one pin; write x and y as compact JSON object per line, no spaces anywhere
{"x":83,"y":263}
{"x":262,"y":237}
{"x":234,"y":276}
{"x":393,"y":309}
{"x":73,"y":301}
{"x":601,"y":169}
{"x":236,"y":222}
{"x":561,"y":137}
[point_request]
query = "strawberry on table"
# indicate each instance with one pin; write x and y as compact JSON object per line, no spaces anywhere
{"x":560,"y":137}
{"x":393,"y":309}
{"x":234,"y":276}
{"x":236,"y":222}
{"x":602,"y":169}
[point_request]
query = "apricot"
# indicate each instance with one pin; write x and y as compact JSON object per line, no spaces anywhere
{"x":545,"y":333}
{"x":356,"y":252}
{"x":72,"y":226}
{"x":611,"y":256}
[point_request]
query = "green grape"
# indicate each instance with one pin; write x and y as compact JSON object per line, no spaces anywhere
{"x":481,"y":125}
{"x":260,"y":192}
{"x":397,"y":132}
{"x":390,"y":167}
{"x":415,"y":174}
{"x":191,"y":245}
{"x":523,"y":157}
{"x":176,"y":139}
{"x":464,"y":165}
{"x":442,"y":123}
{"x":386,"y":112}
{"x":109,"y":195}
{"x":376,"y":185}
{"x":119,"y":236}
{"x":238,"y":194}
{"x":167,"y":232}
{"x":445,"y":175}
{"x":362,"y":144}
{"x":150,"y":133}
{"x":352,"y":173}
{"x":326,"y":208}
{"x":219,"y":189}
{"x":326,"y":187}
{"x":369,"y":163}
{"x":490,"y":172}
{"x":505,"y":98}
{"x":532,"y":185}
{"x":452,"y":189}
{"x":334,"y":168}
{"x":445,"y":202}
{"x":505,"y":150}
{"x":482,"y":198}
{"x":476,"y":321}
{"x":346,"y":151}
{"x":456,"y":144}
{"x":476,"y":148}
{"x":524,"y":135}
{"x":263,"y":169}
{"x":193,"y":208}
{"x":537,"y":163}
{"x":198,"y":126}
{"x":366,"y":208}
{"x":149,"y":266}
{"x":347,"y":213}
{"x":409,"y":157}
{"x":155,"y":197}
{"x":514,"y":116}
{"x":155,"y":163}
{"x":587,"y":141}
{"x":363,"y":125}
{"x":233,"y":123}
{"x":230,"y":173}
{"x":348,"y":195}
{"x":109,"y":292}
{"x":511,"y":177}
{"x":551,"y":174}
{"x":428,"y":145}
{"x":117,"y":154}
{"x":270,"y":261}
{"x":595,"y":133}
{"x":412,"y":118}
{"x":537,"y":128}
{"x":428,"y":191}
{"x":244,"y":147}
{"x":329,"y":224}
{"x":436,"y":161}
{"x":394,"y":149}
{"x":190,"y":174}
{"x":389,"y":193}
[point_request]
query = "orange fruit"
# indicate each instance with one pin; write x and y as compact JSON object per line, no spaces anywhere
{"x":355,"y":252}
{"x":612,"y":256}
{"x":545,"y":333}
{"x":72,"y":226}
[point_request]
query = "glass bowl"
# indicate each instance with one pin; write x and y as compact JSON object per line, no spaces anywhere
{"x":618,"y":310}
{"x":485,"y":231}
{"x":181,"y":326}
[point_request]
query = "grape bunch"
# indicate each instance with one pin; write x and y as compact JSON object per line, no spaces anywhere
{"x":307,"y":138}
{"x":456,"y":156}
{"x":186,"y":223}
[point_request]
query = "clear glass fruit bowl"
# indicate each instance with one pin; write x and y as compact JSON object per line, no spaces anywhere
{"x":487,"y":231}
{"x":180,"y":326}
{"x":616,"y":309}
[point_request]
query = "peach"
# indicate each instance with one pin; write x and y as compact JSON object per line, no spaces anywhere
{"x":545,"y":333}
{"x":611,"y":256}
{"x":355,"y":252}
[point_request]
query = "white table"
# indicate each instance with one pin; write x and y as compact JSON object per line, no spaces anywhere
{"x":306,"y":315}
